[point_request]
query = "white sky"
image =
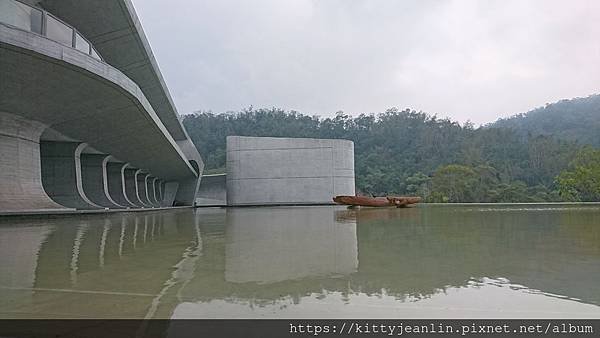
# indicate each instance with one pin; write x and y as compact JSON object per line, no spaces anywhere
{"x":464,"y":59}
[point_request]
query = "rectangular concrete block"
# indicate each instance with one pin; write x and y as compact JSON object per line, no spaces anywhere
{"x":269,"y":170}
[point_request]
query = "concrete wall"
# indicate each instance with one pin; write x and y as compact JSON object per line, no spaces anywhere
{"x":213,"y":190}
{"x":267,"y":170}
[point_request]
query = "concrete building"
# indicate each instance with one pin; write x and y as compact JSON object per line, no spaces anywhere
{"x":279,"y":171}
{"x":86,"y":120}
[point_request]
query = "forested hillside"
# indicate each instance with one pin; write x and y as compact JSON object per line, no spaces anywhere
{"x":575,"y":120}
{"x":409,"y":152}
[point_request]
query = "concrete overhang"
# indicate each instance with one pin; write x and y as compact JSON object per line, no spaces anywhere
{"x":115,"y":31}
{"x":87,"y":100}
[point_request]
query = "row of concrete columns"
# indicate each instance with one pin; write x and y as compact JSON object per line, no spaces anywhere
{"x":80,"y":180}
{"x":43,"y":170}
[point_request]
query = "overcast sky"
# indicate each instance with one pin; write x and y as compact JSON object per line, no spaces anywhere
{"x":467,"y":60}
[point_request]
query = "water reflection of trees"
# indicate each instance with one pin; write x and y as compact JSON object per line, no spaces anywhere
{"x":549,"y":250}
{"x":422,"y":251}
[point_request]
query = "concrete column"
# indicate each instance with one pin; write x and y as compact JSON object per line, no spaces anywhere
{"x":61,"y":174}
{"x":115,"y":185}
{"x":161,"y":189}
{"x":153,"y":196}
{"x":93,"y":177}
{"x":169,"y":192}
{"x":149,"y":190}
{"x":157,"y":191}
{"x":140,"y":180}
{"x":130,"y":186}
{"x":188,"y":188}
{"x":20,"y":167}
{"x":187,"y":191}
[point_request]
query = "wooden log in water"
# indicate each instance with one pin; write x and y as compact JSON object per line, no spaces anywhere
{"x":397,"y":201}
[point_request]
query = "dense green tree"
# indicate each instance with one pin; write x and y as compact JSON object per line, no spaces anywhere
{"x":455,"y":183}
{"x":409,"y":152}
{"x":581,"y":182}
{"x":576,"y":119}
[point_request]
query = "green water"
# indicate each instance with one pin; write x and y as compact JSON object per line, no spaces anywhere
{"x":512,"y":261}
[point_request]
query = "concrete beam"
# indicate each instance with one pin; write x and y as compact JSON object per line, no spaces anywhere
{"x":20,"y":167}
{"x":61,"y":174}
{"x":93,"y":176}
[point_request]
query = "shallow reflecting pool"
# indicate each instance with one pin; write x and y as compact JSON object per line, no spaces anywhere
{"x":511,"y":261}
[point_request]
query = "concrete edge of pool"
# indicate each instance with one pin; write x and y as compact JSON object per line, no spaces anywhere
{"x":76,"y":212}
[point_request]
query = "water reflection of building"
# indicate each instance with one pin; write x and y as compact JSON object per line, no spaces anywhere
{"x":19,"y":247}
{"x":141,"y":265}
{"x":278,"y":244}
{"x":122,"y":264}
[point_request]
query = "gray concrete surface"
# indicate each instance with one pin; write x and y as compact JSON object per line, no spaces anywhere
{"x":162,"y":189}
{"x":159,"y":187}
{"x":151,"y":182}
{"x":268,"y":170}
{"x":130,"y":186}
{"x":150,"y":190}
{"x":50,"y":85}
{"x":61,"y":174}
{"x":140,"y":188}
{"x":93,"y":179}
{"x":20,"y":165}
{"x":169,"y":192}
{"x":115,"y":183}
{"x":113,"y":28}
{"x":213,"y":190}
{"x":188,"y":188}
{"x":85,"y":99}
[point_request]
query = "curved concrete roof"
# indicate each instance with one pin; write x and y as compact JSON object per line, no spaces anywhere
{"x":115,"y":31}
{"x":85,"y":99}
